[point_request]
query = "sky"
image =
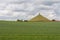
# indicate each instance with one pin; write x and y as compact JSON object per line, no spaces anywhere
{"x":27,"y":9}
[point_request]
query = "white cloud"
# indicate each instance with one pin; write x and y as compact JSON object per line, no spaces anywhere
{"x":29,"y":6}
{"x":25,"y":9}
{"x":3,"y":12}
{"x":50,"y":14}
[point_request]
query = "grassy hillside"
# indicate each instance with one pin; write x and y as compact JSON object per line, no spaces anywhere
{"x":29,"y":30}
{"x":39,"y":18}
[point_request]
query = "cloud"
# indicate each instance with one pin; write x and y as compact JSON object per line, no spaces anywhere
{"x":26,"y":9}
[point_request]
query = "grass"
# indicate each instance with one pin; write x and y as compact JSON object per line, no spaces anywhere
{"x":29,"y":30}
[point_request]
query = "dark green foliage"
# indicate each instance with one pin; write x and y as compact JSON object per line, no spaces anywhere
{"x":53,"y":20}
{"x":19,"y":20}
{"x":25,"y":20}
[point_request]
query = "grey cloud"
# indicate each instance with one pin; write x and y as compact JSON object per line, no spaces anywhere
{"x":29,"y":8}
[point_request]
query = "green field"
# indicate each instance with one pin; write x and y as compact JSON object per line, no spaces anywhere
{"x":29,"y":30}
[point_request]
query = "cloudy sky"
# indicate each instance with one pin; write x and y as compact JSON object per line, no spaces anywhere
{"x":26,"y":9}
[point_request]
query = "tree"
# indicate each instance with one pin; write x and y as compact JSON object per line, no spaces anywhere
{"x":53,"y":20}
{"x":25,"y":20}
{"x":19,"y":20}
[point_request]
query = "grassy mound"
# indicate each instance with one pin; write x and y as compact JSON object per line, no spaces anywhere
{"x":39,"y":18}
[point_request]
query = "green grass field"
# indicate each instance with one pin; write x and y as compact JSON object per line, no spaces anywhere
{"x":29,"y":30}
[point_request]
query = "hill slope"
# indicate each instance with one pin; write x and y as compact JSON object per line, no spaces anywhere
{"x":39,"y":18}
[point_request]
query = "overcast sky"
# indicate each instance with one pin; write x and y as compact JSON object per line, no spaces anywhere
{"x":26,"y":9}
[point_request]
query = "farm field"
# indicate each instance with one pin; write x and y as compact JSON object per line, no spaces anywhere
{"x":29,"y":30}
